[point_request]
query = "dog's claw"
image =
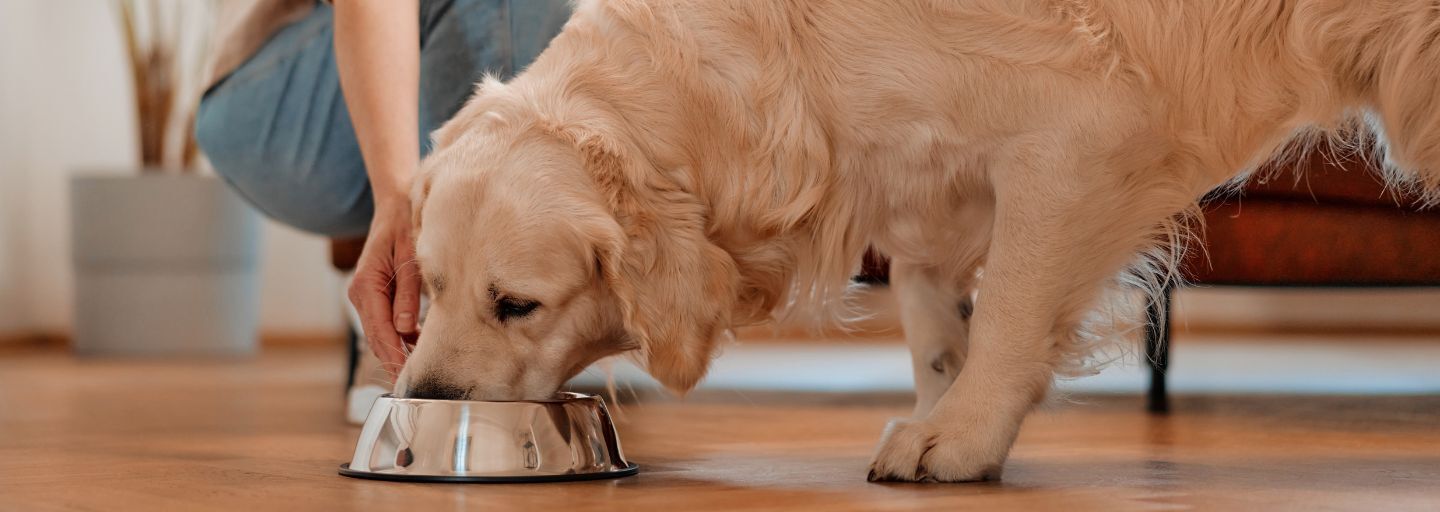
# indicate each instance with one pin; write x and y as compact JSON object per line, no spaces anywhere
{"x":873,"y":477}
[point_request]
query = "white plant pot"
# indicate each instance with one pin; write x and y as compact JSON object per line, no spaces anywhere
{"x":165,"y":265}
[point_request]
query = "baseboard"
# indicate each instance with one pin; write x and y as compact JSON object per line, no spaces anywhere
{"x":12,"y":341}
{"x":275,"y":339}
{"x":302,"y":339}
{"x":1385,"y":312}
{"x":1308,"y":332}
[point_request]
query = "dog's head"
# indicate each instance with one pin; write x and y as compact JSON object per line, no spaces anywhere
{"x":545,"y":248}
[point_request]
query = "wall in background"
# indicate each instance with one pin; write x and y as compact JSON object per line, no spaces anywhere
{"x":12,"y":160}
{"x":65,"y":108}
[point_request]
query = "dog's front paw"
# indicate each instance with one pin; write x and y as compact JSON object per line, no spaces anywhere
{"x":919,"y":451}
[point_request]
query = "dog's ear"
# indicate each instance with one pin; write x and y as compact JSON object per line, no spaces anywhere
{"x":676,"y":288}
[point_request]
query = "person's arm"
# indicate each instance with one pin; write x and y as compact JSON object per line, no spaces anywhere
{"x":377,"y":50}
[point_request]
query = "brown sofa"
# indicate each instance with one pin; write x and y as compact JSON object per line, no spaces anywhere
{"x":1333,"y":224}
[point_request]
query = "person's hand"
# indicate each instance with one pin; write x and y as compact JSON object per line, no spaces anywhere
{"x":377,"y":54}
{"x":386,"y":286}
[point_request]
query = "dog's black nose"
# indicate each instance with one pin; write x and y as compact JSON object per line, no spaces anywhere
{"x":434,"y":389}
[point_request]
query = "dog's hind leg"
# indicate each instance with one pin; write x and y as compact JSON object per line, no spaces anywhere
{"x":1065,"y":223}
{"x":935,"y":310}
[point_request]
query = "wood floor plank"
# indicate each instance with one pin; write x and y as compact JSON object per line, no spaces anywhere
{"x":266,"y":434}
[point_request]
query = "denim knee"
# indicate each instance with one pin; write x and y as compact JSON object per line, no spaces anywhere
{"x":325,"y":198}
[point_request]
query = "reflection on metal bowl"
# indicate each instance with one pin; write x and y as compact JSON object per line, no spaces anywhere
{"x":570,"y":437}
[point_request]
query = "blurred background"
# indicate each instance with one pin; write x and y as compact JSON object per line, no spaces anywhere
{"x":70,"y":126}
{"x":67,"y":109}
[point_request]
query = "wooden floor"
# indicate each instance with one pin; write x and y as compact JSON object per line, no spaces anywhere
{"x":266,"y":435}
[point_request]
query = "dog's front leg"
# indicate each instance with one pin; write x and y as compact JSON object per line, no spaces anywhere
{"x":968,"y":434}
{"x":935,"y":310}
{"x":1059,"y":233}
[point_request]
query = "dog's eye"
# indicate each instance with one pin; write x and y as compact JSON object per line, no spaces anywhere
{"x":507,"y":308}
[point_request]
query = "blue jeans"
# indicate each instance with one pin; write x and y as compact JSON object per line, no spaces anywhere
{"x":276,"y":129}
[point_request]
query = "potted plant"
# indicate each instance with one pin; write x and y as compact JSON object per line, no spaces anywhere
{"x":166,"y":259}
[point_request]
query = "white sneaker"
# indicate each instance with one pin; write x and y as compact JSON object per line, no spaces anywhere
{"x":367,"y":380}
{"x":360,"y":399}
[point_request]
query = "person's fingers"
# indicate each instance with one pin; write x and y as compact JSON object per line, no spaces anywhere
{"x":407,"y":288}
{"x":370,"y":293}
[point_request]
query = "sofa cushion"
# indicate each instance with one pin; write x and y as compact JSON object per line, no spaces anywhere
{"x":1285,"y":242}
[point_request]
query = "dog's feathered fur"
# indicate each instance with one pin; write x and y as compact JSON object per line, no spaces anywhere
{"x":734,"y":158}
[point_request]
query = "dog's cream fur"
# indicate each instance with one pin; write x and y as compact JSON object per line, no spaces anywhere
{"x":667,"y":170}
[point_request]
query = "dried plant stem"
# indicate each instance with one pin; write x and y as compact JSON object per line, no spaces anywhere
{"x":157,"y":77}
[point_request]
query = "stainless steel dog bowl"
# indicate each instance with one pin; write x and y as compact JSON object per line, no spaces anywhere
{"x":569,"y":437}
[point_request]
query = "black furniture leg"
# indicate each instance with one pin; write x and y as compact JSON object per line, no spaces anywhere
{"x":352,"y":347}
{"x":1157,"y":351}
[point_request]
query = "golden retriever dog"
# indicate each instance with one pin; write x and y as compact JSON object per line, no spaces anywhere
{"x":667,"y":170}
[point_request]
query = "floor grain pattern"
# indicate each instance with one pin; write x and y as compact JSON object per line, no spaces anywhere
{"x":266,"y":435}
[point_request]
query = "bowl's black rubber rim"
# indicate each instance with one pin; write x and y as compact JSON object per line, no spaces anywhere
{"x":457,"y":479}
